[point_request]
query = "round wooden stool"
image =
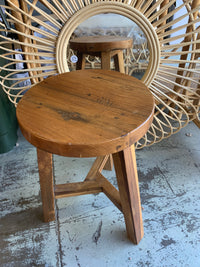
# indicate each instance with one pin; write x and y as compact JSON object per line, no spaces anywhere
{"x":104,"y":47}
{"x":89,"y":113}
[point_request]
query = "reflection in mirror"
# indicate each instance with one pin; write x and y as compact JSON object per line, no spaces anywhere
{"x":135,"y":58}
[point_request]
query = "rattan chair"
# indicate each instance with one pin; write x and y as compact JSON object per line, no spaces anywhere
{"x":44,"y":29}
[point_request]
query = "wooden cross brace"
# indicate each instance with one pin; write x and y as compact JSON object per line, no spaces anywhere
{"x":94,"y":183}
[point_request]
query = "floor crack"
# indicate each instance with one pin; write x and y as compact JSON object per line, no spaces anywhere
{"x":60,"y":252}
{"x":166,"y":181}
{"x":97,"y":233}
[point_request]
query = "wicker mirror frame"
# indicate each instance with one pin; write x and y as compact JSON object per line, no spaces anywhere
{"x":173,"y":71}
{"x":116,"y":8}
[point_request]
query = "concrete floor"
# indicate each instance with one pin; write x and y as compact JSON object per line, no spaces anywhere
{"x":89,"y":231}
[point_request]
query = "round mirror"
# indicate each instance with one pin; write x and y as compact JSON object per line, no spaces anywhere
{"x":135,"y":57}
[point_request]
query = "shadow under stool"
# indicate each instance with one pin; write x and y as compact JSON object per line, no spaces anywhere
{"x":89,"y":113}
{"x":105,"y":47}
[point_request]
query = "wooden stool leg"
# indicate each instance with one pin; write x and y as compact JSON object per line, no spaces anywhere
{"x":105,"y":60}
{"x":109,"y":164}
{"x":80,"y":65}
{"x":45,"y":167}
{"x":126,"y":172}
{"x":119,"y":62}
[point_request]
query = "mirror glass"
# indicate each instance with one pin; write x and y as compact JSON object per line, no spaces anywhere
{"x":135,"y":58}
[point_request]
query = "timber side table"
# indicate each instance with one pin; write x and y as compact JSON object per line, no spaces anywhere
{"x":105,"y":47}
{"x":89,"y":113}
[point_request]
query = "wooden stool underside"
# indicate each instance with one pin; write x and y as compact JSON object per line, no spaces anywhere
{"x":94,"y":183}
{"x":105,"y":47}
{"x":126,"y":200}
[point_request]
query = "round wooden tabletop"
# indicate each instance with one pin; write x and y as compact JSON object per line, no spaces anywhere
{"x":86,"y":113}
{"x":98,"y":43}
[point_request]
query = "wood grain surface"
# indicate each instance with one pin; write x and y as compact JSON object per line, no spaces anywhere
{"x":86,"y":113}
{"x":100,"y":43}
